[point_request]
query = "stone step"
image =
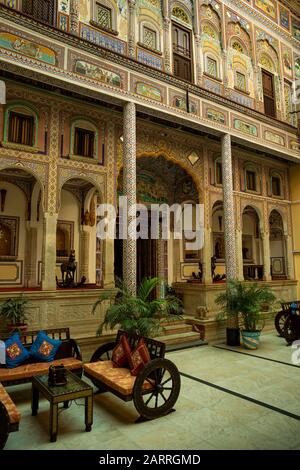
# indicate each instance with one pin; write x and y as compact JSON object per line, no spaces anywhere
{"x":173,"y":322}
{"x":179,"y":338}
{"x":176,"y":329}
{"x":186,"y":345}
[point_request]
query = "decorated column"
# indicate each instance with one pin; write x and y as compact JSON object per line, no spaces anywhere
{"x":74,"y":17}
{"x":129,"y":190}
{"x":30,"y":271}
{"x":49,"y":252}
{"x":265,"y":236}
{"x":131,"y":28}
{"x":289,"y":256}
{"x":84,"y":241}
{"x":229,"y":213}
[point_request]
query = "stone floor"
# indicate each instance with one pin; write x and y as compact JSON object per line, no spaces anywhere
{"x":246,"y":402}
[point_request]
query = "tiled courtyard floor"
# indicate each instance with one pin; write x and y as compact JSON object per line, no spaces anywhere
{"x":206,"y":417}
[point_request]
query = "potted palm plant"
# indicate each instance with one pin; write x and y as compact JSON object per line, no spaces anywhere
{"x":230,"y":304}
{"x":139,"y":314}
{"x":244,"y":303}
{"x":13,"y":312}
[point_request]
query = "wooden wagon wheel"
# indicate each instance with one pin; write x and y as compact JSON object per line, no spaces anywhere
{"x":289,"y":331}
{"x":4,"y":425}
{"x":158,"y":400}
{"x":103,"y":353}
{"x":280,"y":321}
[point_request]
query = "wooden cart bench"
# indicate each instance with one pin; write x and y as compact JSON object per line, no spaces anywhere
{"x":154,"y":390}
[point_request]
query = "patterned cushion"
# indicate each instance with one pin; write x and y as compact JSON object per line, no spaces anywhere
{"x":121,"y":353}
{"x":27,"y":371}
{"x":13,"y":412}
{"x":44,"y":348}
{"x":16,"y":354}
{"x":139,"y":358}
{"x":119,"y":379}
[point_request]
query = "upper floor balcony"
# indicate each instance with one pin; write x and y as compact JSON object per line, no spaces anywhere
{"x":183,"y":55}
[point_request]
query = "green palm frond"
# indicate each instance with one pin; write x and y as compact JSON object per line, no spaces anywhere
{"x":138,"y":314}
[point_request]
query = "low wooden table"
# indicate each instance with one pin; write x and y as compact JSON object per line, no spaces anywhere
{"x":75,"y":388}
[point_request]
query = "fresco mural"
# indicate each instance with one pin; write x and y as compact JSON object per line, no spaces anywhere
{"x":23,"y":46}
{"x":245,"y":127}
{"x":267,"y":6}
{"x":296,"y":30}
{"x":148,"y":91}
{"x":284,"y":18}
{"x":97,"y":73}
{"x":287,"y":60}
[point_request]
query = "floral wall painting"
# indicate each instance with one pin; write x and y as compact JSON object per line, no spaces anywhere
{"x":287,"y":60}
{"x":284,"y":18}
{"x":64,"y":6}
{"x":267,"y":6}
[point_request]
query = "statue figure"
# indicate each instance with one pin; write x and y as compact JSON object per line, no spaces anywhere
{"x":199,"y":275}
{"x":213,"y":266}
{"x":68,"y":269}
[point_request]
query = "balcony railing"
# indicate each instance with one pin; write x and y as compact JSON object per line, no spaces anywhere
{"x":253,"y":272}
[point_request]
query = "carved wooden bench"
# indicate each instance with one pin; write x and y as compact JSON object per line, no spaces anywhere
{"x":67,"y":354}
{"x":154,"y":390}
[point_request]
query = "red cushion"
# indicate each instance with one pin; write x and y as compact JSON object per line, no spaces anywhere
{"x":139,"y":358}
{"x":121,"y":352}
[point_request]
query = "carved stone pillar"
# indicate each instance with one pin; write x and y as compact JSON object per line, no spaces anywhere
{"x":74,"y":17}
{"x":84,"y":243}
{"x":167,"y":52}
{"x":30,"y":268}
{"x":229,"y":211}
{"x":225,"y":69}
{"x":131,"y":28}
{"x":265,"y":236}
{"x":49,"y":252}
{"x":129,"y":189}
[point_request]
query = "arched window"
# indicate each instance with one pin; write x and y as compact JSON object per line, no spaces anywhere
{"x":211,"y":65}
{"x":218,"y":171}
{"x":276,"y":184}
{"x":251,"y":178}
{"x":150,"y":35}
{"x":84,"y":139}
{"x":104,"y":15}
{"x":21,"y":125}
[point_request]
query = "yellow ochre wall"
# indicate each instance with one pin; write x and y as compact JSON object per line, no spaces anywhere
{"x":295,"y":198}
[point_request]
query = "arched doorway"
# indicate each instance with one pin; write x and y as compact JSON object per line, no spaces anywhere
{"x":277,"y":246}
{"x":161,"y":181}
{"x":76,"y":230}
{"x":252,"y":245}
{"x":21,"y":228}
